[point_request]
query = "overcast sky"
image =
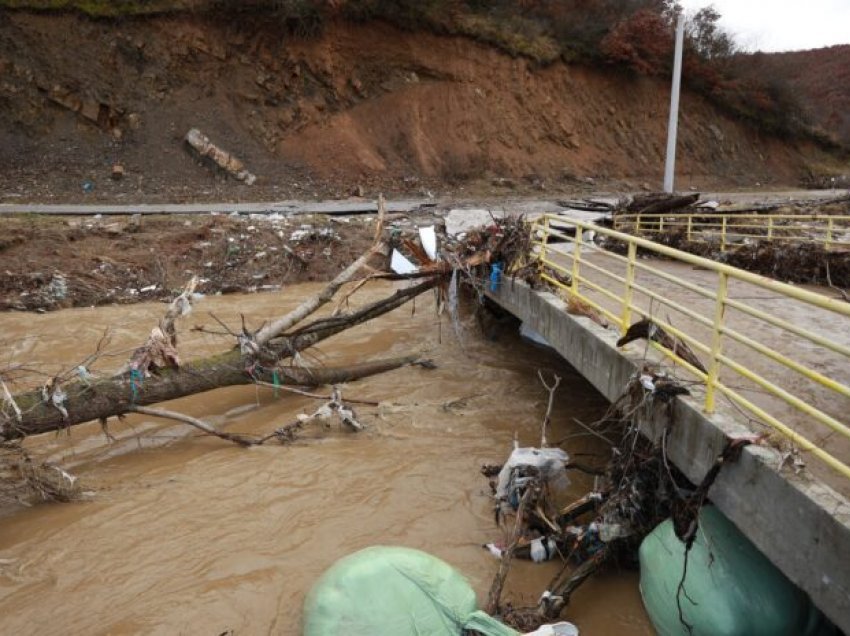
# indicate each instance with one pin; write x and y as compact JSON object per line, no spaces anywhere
{"x":782,"y":25}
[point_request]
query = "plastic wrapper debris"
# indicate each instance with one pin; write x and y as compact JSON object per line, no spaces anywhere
{"x":556,"y":629}
{"x":549,"y":465}
{"x":400,"y":264}
{"x":611,"y":531}
{"x":495,"y":276}
{"x":543,"y":549}
{"x":428,"y":238}
{"x":494,"y":549}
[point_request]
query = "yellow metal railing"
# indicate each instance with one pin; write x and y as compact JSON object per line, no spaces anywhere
{"x":623,"y":286}
{"x":831,"y":232}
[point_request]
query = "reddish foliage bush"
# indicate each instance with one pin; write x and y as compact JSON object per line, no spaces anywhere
{"x":643,"y":41}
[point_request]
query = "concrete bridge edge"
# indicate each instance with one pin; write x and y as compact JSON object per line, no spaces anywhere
{"x":799,"y":523}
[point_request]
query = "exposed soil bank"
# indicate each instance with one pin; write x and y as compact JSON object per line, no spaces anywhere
{"x":361,"y":106}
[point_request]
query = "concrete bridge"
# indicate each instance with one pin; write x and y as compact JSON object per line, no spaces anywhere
{"x":776,"y":359}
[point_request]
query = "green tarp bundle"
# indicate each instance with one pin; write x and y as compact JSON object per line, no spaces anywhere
{"x":397,"y":591}
{"x":731,"y":588}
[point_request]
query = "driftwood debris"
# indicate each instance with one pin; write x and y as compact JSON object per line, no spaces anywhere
{"x":205,"y":148}
{"x":646,"y":329}
{"x":637,"y":489}
{"x":155,"y":372}
{"x":162,"y":370}
{"x":334,"y":405}
{"x":658,"y":203}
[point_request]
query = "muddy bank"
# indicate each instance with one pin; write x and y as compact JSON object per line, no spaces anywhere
{"x":51,"y":263}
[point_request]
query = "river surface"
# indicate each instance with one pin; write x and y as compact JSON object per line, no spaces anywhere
{"x":187,"y":534}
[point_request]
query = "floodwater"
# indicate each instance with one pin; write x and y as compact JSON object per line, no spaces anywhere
{"x":186,"y":534}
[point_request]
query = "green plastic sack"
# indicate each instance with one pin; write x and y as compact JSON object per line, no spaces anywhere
{"x":394,"y":591}
{"x":731,"y":588}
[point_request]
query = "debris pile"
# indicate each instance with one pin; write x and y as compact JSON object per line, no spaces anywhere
{"x":793,"y":262}
{"x":637,"y":489}
{"x":23,"y":480}
{"x":807,"y":264}
{"x":52,"y":263}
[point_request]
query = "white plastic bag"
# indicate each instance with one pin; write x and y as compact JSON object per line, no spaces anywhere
{"x":548,"y":461}
{"x":556,"y":629}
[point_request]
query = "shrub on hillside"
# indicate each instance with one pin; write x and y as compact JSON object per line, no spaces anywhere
{"x":643,"y":42}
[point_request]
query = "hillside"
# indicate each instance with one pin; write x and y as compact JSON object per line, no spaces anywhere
{"x":820,"y":79}
{"x":361,"y":104}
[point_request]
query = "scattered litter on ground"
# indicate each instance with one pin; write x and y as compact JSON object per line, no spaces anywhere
{"x":55,"y":262}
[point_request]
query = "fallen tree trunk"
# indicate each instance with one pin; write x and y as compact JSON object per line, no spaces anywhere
{"x":660,"y":203}
{"x":314,"y":302}
{"x":100,"y":399}
{"x":118,"y":396}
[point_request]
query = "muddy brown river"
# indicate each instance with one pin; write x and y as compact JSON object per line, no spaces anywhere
{"x":186,"y":534}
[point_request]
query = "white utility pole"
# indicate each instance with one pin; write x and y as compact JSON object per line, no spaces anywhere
{"x":673,"y":125}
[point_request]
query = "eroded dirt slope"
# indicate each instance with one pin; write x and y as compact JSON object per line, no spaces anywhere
{"x":364,"y":105}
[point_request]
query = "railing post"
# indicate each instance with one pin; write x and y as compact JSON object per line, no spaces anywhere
{"x":716,"y":343}
{"x":576,"y":260}
{"x":661,"y":225}
{"x":723,"y":234}
{"x":545,"y":242}
{"x":770,"y":228}
{"x":690,"y":227}
{"x":828,"y":233}
{"x":637,"y":224}
{"x":626,"y":319}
